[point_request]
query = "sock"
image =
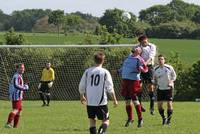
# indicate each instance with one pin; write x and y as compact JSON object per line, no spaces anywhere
{"x":140,"y":98}
{"x":93,"y":130}
{"x":152,"y":98}
{"x":48,"y":98}
{"x":161,"y":111}
{"x":42,"y":98}
{"x":129,"y":112}
{"x":169,"y":114}
{"x":16,"y":120}
{"x":11,"y":117}
{"x":102,"y":128}
{"x":139,"y":111}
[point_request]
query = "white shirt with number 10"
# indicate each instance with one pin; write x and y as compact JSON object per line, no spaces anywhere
{"x":96,"y":82}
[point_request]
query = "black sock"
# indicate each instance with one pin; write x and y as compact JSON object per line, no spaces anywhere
{"x":161,"y":111}
{"x":48,"y":98}
{"x":140,"y":97}
{"x":102,"y":129}
{"x":93,"y":130}
{"x":42,"y":98}
{"x":169,"y":114}
{"x":152,"y":98}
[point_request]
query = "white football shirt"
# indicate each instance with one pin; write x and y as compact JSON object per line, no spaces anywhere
{"x":95,"y":83}
{"x":148,"y":52}
{"x":163,"y":75}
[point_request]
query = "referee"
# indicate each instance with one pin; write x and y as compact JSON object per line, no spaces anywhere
{"x":46,"y":83}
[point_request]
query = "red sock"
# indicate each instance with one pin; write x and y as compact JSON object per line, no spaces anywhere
{"x":139,"y":111}
{"x":11,"y":117}
{"x":16,"y":120}
{"x":129,"y":112}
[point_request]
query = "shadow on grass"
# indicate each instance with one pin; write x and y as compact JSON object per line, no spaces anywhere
{"x":70,"y":130}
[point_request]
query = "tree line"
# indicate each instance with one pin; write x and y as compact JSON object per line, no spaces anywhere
{"x":177,"y":19}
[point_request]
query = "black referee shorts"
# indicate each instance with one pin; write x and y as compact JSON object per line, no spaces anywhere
{"x":164,"y":95}
{"x":44,"y":87}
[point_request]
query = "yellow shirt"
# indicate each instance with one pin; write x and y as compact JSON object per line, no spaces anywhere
{"x":47,"y":74}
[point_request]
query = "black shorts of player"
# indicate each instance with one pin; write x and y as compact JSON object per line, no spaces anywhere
{"x":101,"y":112}
{"x":164,"y":95}
{"x":44,"y":87}
{"x":147,"y":77}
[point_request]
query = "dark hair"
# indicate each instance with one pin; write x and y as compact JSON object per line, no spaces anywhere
{"x":99,"y":57}
{"x":161,"y":56}
{"x":142,"y":37}
{"x":18,"y":65}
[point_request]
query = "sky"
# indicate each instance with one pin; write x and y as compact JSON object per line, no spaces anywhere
{"x":94,"y":7}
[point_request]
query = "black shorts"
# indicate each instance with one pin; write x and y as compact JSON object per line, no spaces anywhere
{"x":101,"y":112}
{"x":148,"y":76}
{"x":164,"y":95}
{"x":44,"y":87}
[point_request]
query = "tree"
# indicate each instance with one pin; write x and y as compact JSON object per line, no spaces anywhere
{"x":176,"y":10}
{"x":113,"y":21}
{"x":188,"y":83}
{"x":24,"y":20}
{"x":172,"y":30}
{"x":183,"y":11}
{"x":57,"y":17}
{"x":196,"y":17}
{"x":42,"y":25}
{"x":156,"y":15}
{"x":73,"y":23}
{"x":4,"y":21}
{"x":86,"y":16}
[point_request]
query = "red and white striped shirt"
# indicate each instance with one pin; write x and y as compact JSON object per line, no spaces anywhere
{"x":16,"y":87}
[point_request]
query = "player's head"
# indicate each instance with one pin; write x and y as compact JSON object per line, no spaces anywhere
{"x":48,"y":65}
{"x":161,"y":59}
{"x":136,"y":50}
{"x":143,"y":39}
{"x":99,"y":57}
{"x":20,"y":68}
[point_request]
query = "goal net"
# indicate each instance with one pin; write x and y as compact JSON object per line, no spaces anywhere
{"x":68,"y":61}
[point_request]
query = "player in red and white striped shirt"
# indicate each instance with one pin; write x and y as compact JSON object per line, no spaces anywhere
{"x":16,"y":89}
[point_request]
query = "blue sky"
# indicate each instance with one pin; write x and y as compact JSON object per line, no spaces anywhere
{"x":94,"y":7}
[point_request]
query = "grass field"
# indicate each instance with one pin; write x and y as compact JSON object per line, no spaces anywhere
{"x":69,"y":117}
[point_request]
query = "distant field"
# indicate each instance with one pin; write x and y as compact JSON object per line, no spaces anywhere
{"x":69,"y":117}
{"x":188,"y":49}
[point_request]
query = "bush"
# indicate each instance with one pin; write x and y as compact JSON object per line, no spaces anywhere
{"x":187,"y":85}
{"x":195,"y":34}
{"x":14,"y":39}
{"x":172,"y":30}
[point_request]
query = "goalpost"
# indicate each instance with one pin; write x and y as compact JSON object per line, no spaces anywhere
{"x":68,"y":61}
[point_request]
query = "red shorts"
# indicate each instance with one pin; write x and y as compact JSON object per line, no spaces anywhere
{"x":17,"y":105}
{"x":130,"y":88}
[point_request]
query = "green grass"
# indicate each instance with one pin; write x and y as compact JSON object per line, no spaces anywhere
{"x":70,"y":118}
{"x":188,"y":49}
